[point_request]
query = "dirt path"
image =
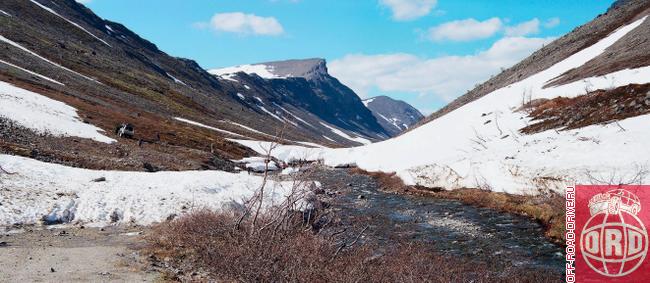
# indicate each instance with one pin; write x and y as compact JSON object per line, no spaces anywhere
{"x":73,"y":255}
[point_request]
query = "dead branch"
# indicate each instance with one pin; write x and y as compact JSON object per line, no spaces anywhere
{"x":347,"y":245}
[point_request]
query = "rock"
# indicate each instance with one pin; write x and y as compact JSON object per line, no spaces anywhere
{"x":3,"y":244}
{"x":100,"y":179}
{"x":361,"y":197}
{"x":150,"y":168}
{"x":52,"y":269}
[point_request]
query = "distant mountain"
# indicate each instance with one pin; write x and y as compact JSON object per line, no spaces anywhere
{"x":109,"y":75}
{"x":395,"y":116}
{"x":305,"y":94}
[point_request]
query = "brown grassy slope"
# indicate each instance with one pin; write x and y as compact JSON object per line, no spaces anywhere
{"x":601,"y":106}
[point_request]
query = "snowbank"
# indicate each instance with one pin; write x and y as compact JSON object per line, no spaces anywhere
{"x":63,"y":194}
{"x":45,"y":115}
{"x":479,"y":144}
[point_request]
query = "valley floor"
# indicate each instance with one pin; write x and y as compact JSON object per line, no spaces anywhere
{"x":73,"y":255}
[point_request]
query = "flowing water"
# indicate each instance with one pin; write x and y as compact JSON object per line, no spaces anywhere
{"x":450,"y":226}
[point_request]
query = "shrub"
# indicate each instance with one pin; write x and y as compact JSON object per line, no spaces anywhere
{"x":206,"y":242}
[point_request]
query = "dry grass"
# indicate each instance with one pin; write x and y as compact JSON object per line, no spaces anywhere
{"x":549,"y":209}
{"x":386,"y":181}
{"x":594,"y":107}
{"x":206,"y":243}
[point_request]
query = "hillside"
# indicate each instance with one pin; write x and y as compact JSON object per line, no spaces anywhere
{"x":395,"y":116}
{"x":540,"y":131}
{"x":106,"y":75}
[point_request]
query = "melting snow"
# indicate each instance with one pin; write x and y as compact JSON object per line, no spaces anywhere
{"x":176,"y":80}
{"x":32,"y":73}
{"x":346,"y":136}
{"x":241,"y":96}
{"x":5,"y":13}
{"x":69,"y":21}
{"x":206,"y":126}
{"x":6,"y":40}
{"x":247,"y":128}
{"x":64,"y":194}
{"x":45,"y":115}
{"x":271,"y":113}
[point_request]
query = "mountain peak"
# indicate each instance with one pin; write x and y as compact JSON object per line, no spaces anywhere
{"x":302,"y":68}
{"x":297,"y":68}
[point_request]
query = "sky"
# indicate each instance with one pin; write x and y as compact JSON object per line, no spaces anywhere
{"x":425,"y":52}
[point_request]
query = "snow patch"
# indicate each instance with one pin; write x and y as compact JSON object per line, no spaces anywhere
{"x":5,"y":13}
{"x":55,"y":194}
{"x":45,"y":115}
{"x":69,"y":21}
{"x":176,"y":80}
{"x":346,"y":136}
{"x":270,"y":113}
{"x":10,"y":42}
{"x":206,"y":126}
{"x":32,"y":73}
{"x":260,"y":70}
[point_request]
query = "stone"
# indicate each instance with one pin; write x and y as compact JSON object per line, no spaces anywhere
{"x":100,"y":179}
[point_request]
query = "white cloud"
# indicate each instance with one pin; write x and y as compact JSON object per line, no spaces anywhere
{"x":523,"y":29}
{"x":465,"y":30}
{"x":552,"y":22}
{"x":404,"y":10}
{"x":245,"y":24}
{"x":445,"y":77}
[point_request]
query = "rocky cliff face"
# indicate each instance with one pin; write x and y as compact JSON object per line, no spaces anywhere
{"x":302,"y":92}
{"x":395,"y":116}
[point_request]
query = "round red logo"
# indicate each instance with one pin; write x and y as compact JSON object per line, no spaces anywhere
{"x":614,"y":241}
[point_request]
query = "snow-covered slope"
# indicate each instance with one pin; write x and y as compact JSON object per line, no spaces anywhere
{"x":45,"y":115}
{"x":479,"y":144}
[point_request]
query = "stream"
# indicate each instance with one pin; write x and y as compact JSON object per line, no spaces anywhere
{"x":452,"y":227}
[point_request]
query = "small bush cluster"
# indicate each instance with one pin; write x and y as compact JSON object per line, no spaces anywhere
{"x":210,"y":244}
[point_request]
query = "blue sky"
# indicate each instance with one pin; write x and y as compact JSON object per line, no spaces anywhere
{"x":425,"y":52}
